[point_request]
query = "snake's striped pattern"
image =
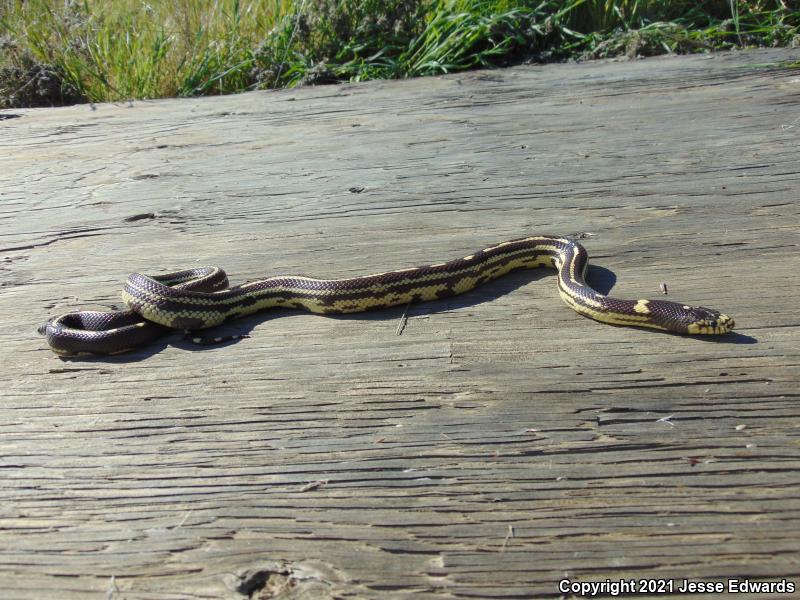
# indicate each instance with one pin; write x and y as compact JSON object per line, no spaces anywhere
{"x":169,"y":301}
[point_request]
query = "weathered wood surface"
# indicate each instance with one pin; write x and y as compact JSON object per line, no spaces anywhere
{"x":501,"y":442}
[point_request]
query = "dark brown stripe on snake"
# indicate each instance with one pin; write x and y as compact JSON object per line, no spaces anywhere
{"x":261,"y":290}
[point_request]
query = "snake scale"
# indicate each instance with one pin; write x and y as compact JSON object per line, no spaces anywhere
{"x":200,"y":298}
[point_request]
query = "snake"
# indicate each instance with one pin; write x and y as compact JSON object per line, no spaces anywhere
{"x":200,"y":298}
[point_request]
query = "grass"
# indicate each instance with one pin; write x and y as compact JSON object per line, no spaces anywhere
{"x":64,"y":51}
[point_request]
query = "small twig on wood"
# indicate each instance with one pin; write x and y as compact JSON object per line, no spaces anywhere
{"x":791,"y":125}
{"x":509,"y":535}
{"x":314,"y":485}
{"x":183,"y":520}
{"x":112,"y":590}
{"x":666,"y":420}
{"x":403,"y":320}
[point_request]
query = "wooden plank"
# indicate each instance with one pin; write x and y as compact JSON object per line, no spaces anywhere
{"x":501,"y":443}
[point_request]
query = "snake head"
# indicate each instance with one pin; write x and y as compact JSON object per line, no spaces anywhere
{"x":707,"y":321}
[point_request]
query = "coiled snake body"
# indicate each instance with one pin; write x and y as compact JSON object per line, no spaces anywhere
{"x":200,"y":298}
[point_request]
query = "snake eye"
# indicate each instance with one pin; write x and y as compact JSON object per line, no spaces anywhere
{"x":712,"y":323}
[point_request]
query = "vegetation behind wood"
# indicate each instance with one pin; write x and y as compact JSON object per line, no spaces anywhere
{"x":96,"y":51}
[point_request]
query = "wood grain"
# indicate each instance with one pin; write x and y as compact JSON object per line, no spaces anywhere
{"x":501,"y":442}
